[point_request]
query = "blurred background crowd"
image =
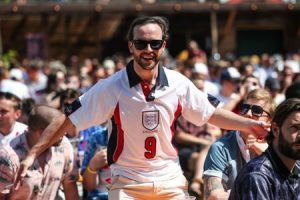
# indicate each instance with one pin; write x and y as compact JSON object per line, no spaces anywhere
{"x":226,"y":56}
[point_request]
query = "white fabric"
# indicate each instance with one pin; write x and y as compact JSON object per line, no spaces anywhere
{"x":243,"y":148}
{"x":18,"y":129}
{"x":99,"y":103}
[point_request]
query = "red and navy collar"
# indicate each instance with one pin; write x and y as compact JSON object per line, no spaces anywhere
{"x":134,"y":78}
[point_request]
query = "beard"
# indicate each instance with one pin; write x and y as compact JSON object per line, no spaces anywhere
{"x":146,"y":64}
{"x":286,"y":148}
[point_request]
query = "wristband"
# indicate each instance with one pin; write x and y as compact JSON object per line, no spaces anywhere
{"x":91,"y":170}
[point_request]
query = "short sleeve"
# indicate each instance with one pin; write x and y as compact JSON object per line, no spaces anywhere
{"x":216,"y":162}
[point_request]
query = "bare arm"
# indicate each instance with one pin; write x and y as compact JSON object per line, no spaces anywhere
{"x":70,"y":190}
{"x":90,"y":176}
{"x":214,"y":189}
{"x":230,"y":121}
{"x":51,"y":134}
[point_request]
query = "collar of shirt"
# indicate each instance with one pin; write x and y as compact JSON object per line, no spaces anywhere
{"x":243,"y":148}
{"x":134,"y":78}
{"x":279,"y":165}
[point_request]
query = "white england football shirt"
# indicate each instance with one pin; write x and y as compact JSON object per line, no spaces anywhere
{"x":141,"y":149}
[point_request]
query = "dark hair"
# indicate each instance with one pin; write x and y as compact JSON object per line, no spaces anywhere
{"x":12,"y":97}
{"x":41,"y":116}
{"x":282,"y":112}
{"x":293,"y":91}
{"x":161,"y":21}
{"x":69,"y":93}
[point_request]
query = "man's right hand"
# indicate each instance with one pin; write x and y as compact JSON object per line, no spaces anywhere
{"x":22,"y":171}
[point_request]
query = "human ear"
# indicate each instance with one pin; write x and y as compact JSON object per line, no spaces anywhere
{"x":130,"y":46}
{"x":275,"y":129}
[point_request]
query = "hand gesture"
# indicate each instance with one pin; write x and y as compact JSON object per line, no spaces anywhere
{"x":259,"y":146}
{"x":22,"y":171}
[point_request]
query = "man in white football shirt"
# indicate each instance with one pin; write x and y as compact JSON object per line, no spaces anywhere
{"x":145,"y":100}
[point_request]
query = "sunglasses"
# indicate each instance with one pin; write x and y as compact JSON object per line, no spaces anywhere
{"x":255,"y":110}
{"x":142,"y":44}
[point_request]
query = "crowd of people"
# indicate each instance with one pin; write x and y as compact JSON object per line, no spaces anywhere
{"x":151,"y":126}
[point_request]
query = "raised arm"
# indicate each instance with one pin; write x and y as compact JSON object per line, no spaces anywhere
{"x":230,"y":121}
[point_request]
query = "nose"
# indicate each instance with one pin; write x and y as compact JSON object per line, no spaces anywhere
{"x":248,"y":114}
{"x":148,"y":47}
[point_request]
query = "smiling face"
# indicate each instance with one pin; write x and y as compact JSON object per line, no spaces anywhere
{"x":147,"y":58}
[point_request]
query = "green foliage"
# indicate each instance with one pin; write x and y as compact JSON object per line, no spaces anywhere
{"x":9,"y":58}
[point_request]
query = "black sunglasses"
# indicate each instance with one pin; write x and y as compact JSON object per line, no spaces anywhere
{"x":255,"y":110}
{"x":142,"y":44}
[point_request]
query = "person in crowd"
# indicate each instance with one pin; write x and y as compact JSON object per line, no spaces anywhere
{"x":276,"y":173}
{"x":10,"y":112}
{"x":55,"y":84}
{"x":193,"y":143}
{"x":274,"y":87}
{"x":229,"y":79}
{"x":229,"y":154}
{"x":36,"y":79}
{"x":201,"y":73}
{"x":193,"y":53}
{"x":95,"y":170}
{"x":9,"y":84}
{"x":50,"y":169}
{"x":27,"y":105}
{"x":247,"y":84}
{"x":145,"y":100}
{"x":293,"y":91}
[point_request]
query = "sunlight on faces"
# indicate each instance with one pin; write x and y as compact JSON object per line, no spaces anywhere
{"x":147,"y":58}
{"x":8,"y":113}
{"x":289,"y":136}
{"x":264,"y":117}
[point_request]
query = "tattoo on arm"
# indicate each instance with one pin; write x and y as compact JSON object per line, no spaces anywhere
{"x":212,"y":183}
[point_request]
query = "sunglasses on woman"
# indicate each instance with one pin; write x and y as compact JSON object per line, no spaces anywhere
{"x":142,"y":44}
{"x":255,"y":110}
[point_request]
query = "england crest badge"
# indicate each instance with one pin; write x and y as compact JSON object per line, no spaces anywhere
{"x":150,"y":119}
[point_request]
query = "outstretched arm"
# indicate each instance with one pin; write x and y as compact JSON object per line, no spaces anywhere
{"x":230,"y":121}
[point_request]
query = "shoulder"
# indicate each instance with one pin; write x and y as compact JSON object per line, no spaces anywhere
{"x":226,"y":142}
{"x":175,"y":76}
{"x":257,"y":169}
{"x":21,"y":127}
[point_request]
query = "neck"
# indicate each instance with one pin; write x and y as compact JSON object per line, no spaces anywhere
{"x":146,"y":75}
{"x":7,"y":129}
{"x":288,"y":162}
